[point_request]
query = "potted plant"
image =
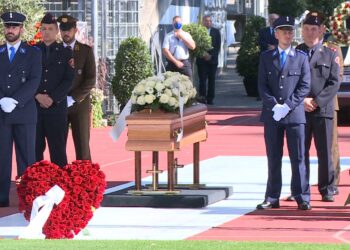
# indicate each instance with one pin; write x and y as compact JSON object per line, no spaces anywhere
{"x":132,"y":64}
{"x":248,"y":55}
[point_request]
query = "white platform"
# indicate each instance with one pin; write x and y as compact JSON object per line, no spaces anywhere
{"x":247,"y":175}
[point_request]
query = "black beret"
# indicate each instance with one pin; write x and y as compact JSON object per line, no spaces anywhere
{"x":284,"y":22}
{"x":13,"y":18}
{"x":67,"y":22}
{"x":314,"y":18}
{"x":48,"y":19}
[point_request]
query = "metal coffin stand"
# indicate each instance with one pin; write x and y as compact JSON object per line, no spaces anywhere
{"x":157,"y":131}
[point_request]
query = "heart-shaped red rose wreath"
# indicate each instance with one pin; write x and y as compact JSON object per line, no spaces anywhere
{"x":84,"y":184}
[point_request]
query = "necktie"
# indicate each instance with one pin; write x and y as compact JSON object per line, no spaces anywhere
{"x":282,"y":58}
{"x":311,"y":52}
{"x":12,"y":53}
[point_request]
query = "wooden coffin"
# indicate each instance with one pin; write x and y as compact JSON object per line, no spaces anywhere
{"x":157,"y":130}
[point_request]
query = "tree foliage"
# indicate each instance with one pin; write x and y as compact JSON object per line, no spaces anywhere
{"x":292,"y":8}
{"x":132,"y":64}
{"x":32,"y":9}
{"x":248,"y":54}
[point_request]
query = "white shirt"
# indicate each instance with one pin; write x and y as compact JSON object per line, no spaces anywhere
{"x":285,"y":50}
{"x":176,"y":46}
{"x":16,"y":46}
{"x":71,"y":45}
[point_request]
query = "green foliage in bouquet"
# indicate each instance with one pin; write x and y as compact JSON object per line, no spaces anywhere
{"x":201,"y":37}
{"x":248,"y":54}
{"x":163,"y":92}
{"x":292,"y":8}
{"x":32,"y":9}
{"x":97,"y":98}
{"x":132,"y":64}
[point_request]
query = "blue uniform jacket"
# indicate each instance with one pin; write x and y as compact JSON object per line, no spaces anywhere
{"x":325,"y":79}
{"x":20,"y":80}
{"x":289,"y":85}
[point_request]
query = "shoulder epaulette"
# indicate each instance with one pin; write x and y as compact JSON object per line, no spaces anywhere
{"x":301,"y":51}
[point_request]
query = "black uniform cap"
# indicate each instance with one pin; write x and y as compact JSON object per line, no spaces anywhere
{"x":284,"y":22}
{"x":67,"y":22}
{"x":314,"y":18}
{"x":13,"y":18}
{"x":48,"y":19}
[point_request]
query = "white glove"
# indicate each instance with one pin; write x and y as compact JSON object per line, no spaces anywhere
{"x":285,"y":110}
{"x":277,"y":109}
{"x":70,"y":101}
{"x":8,"y":104}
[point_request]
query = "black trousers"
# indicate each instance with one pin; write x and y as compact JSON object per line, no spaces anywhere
{"x":274,"y":139}
{"x":53,"y":128}
{"x":321,"y":129}
{"x":23,"y":135}
{"x":207,"y":74}
{"x":185,"y":70}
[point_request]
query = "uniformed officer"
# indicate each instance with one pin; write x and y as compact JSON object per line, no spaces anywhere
{"x":79,"y":101}
{"x":51,"y":97}
{"x":20,"y":74}
{"x":284,"y":82}
{"x":176,"y":47}
{"x":319,"y":104}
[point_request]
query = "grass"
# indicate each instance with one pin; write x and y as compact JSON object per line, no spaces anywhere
{"x":155,"y":245}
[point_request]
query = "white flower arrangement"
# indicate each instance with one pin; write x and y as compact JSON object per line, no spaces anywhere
{"x":163,"y":92}
{"x":338,"y":23}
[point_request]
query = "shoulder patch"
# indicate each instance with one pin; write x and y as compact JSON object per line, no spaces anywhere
{"x":2,"y":49}
{"x":301,"y":52}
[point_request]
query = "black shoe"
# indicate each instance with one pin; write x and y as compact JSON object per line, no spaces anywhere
{"x":4,"y":203}
{"x":304,"y":206}
{"x":336,"y":191}
{"x":268,"y":205}
{"x":290,"y":198}
{"x":328,"y":198}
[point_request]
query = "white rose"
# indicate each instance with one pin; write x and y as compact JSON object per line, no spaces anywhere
{"x":159,"y":86}
{"x":149,"y":98}
{"x":149,"y":89}
{"x":175,"y":91}
{"x":172,"y":101}
{"x":168,"y":92}
{"x":150,"y":84}
{"x":140,"y":89}
{"x":141,"y":100}
{"x":164,"y":98}
{"x":133,"y":99}
{"x":193,"y":93}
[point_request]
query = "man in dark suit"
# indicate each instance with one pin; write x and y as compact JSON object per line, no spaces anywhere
{"x":319,"y":104}
{"x":20,"y":74}
{"x":284,"y":82}
{"x":267,"y":39}
{"x":51,"y":97}
{"x":78,"y":99}
{"x":208,"y":64}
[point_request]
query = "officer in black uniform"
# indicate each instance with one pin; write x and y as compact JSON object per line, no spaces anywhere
{"x":51,"y":97}
{"x":284,"y":82}
{"x":20,"y":74}
{"x":319,"y":104}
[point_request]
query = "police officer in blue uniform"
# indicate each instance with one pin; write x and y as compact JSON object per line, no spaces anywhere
{"x":20,"y":74}
{"x":284,"y":82}
{"x":51,"y":97}
{"x":319,"y":104}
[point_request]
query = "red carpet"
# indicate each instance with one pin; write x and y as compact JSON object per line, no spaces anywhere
{"x":232,"y":132}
